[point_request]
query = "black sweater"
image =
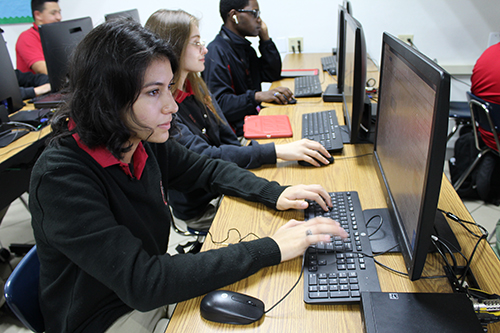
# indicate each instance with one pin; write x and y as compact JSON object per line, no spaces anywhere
{"x":219,"y":141}
{"x":233,"y":73}
{"x":102,"y":236}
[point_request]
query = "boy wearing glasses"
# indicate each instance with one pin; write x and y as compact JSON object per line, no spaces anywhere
{"x":234,"y":73}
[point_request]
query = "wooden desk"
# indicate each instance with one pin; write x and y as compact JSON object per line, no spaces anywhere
{"x":270,"y":284}
{"x":350,"y":171}
{"x":16,"y":162}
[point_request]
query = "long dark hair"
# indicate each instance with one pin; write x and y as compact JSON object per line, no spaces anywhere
{"x":105,"y":79}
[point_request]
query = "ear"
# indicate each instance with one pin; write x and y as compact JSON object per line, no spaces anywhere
{"x":37,"y":16}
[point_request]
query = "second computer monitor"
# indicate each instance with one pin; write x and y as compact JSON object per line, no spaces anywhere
{"x":58,"y":42}
{"x":357,"y":119}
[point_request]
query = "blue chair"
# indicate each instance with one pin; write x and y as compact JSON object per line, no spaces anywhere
{"x":21,"y":292}
{"x":460,"y":112}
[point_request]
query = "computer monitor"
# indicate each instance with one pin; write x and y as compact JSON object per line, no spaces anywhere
{"x":59,"y":39}
{"x":410,"y":144}
{"x":10,"y":94}
{"x":340,"y":50}
{"x":357,"y":120}
{"x":132,"y":13}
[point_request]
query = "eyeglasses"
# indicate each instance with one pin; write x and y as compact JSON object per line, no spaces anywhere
{"x":255,"y":12}
{"x":200,"y":45}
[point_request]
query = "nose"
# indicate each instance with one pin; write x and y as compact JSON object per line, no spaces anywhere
{"x":169,"y":104}
{"x":204,"y":50}
{"x":58,"y":17}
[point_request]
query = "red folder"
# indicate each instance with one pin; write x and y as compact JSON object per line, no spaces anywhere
{"x":266,"y":127}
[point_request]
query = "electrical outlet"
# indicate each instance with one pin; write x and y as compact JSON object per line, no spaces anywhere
{"x":407,"y":39}
{"x":295,"y":44}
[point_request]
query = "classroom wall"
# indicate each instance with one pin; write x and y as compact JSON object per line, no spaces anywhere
{"x":454,"y":32}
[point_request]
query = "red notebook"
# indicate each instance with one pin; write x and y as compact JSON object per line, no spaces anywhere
{"x":285,"y":73}
{"x":266,"y":127}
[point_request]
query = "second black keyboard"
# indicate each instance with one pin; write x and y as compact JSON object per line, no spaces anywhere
{"x":307,"y":86}
{"x":323,"y":127}
{"x":338,"y":271}
{"x":329,"y":64}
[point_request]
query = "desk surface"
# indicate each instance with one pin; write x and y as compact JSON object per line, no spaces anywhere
{"x":354,"y":171}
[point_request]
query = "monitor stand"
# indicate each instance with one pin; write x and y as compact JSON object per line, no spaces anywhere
{"x":332,"y":94}
{"x":384,"y":238}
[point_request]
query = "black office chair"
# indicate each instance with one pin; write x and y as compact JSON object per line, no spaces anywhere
{"x":21,"y":292}
{"x":487,"y":116}
{"x":460,"y":112}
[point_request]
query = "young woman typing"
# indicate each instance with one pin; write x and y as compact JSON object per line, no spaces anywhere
{"x":97,"y":198}
{"x":203,"y":127}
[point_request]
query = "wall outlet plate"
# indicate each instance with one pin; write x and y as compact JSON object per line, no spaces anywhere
{"x":407,"y":39}
{"x":295,"y":44}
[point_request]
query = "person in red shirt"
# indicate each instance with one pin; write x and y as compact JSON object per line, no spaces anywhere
{"x":485,"y":81}
{"x":29,"y":52}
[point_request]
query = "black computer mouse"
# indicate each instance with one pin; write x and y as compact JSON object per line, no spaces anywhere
{"x":229,"y":307}
{"x":304,"y":163}
{"x":292,"y":101}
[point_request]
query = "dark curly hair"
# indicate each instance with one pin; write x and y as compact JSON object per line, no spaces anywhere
{"x":106,"y":75}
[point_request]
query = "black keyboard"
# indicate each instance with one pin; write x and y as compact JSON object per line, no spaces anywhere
{"x":338,"y":271}
{"x":329,"y":64}
{"x":323,"y":127}
{"x":307,"y":86}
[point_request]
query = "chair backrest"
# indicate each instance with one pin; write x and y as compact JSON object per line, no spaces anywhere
{"x":487,"y":115}
{"x":21,"y":292}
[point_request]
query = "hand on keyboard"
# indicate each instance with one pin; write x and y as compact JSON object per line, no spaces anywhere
{"x":293,"y":197}
{"x":280,"y":95}
{"x":303,"y":150}
{"x":296,"y":236}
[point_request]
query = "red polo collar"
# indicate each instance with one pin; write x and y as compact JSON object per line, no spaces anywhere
{"x":104,"y":157}
{"x":182,"y":95}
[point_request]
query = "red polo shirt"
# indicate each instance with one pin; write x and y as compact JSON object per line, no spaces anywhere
{"x":29,"y":49}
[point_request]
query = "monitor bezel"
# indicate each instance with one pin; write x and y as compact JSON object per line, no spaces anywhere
{"x":415,"y":260}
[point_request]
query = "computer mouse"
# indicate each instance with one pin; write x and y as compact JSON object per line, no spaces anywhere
{"x":292,"y":101}
{"x":304,"y":163}
{"x":229,"y":307}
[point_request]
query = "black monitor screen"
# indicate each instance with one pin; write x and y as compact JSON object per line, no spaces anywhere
{"x":354,"y":80}
{"x":58,"y":42}
{"x":10,"y":95}
{"x":410,"y":143}
{"x":132,"y":13}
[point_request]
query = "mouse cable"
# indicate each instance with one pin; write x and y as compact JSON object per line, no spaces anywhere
{"x":223,"y":242}
{"x":293,"y":287}
{"x":357,"y":156}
